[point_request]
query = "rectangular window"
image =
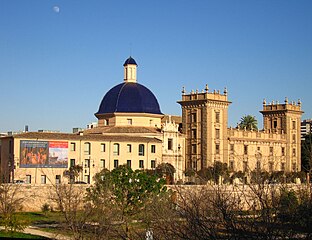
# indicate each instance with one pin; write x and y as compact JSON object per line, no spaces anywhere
{"x":141,"y":149}
{"x":58,"y":179}
{"x":283,"y":151}
{"x":103,"y":148}
{"x":258,"y":166}
{"x":153,"y":148}
{"x":153,"y":164}
{"x":72,"y":162}
{"x":294,"y":138}
{"x":87,"y":178}
{"x":129,"y":163}
{"x":194,"y":149}
{"x":115,"y":163}
{"x":193,"y":118}
{"x":72,"y":146}
{"x":87,"y":148}
{"x":275,"y":124}
{"x":246,"y":149}
{"x":217,"y":117}
{"x":231,"y":166}
{"x":194,"y":135}
{"x":141,"y":164}
{"x":271,"y":167}
{"x":294,"y":167}
{"x":28,"y":179}
{"x":106,"y":122}
{"x":245,"y":166}
{"x":271,"y":151}
{"x":294,"y":124}
{"x":43,"y":179}
{"x":283,"y":166}
{"x":232,"y":148}
{"x":87,"y":163}
{"x":129,"y":148}
{"x":116,"y":149}
{"x":102,"y":163}
{"x":217,"y":133}
{"x":129,"y":121}
{"x":217,"y":149}
{"x":170,"y":143}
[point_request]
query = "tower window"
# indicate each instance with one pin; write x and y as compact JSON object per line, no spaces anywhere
{"x":194,"y":133}
{"x":245,"y":149}
{"x":294,"y":124}
{"x":275,"y":124}
{"x":170,"y":143}
{"x":193,"y":117}
{"x":217,"y":117}
{"x":217,"y":133}
{"x":129,"y":121}
{"x":217,"y":149}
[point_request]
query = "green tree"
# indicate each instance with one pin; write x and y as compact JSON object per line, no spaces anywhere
{"x":127,"y":192}
{"x":249,"y":122}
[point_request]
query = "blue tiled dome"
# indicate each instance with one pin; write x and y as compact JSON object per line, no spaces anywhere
{"x":129,"y":97}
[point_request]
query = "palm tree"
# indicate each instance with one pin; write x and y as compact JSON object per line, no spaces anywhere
{"x":249,"y":122}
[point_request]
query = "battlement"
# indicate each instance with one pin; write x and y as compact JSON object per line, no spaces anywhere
{"x":215,"y":95}
{"x":276,"y":106}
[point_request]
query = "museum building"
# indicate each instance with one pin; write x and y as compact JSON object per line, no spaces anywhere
{"x":131,"y":130}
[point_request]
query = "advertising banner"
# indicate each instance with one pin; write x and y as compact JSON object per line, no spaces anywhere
{"x":43,"y":154}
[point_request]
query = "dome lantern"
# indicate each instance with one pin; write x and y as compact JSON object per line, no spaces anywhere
{"x":130,"y":69}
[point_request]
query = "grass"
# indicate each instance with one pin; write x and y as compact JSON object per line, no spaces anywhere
{"x":18,"y":235}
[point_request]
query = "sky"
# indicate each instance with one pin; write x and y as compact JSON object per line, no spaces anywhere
{"x":58,"y":58}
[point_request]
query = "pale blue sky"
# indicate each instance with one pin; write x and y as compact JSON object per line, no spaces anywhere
{"x":55,"y":67}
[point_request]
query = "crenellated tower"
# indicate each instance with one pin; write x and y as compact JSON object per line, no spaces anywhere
{"x":204,"y":122}
{"x":285,"y":119}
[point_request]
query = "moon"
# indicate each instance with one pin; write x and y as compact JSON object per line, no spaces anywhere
{"x":56,"y":9}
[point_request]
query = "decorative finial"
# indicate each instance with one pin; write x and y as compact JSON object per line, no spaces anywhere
{"x":192,"y":92}
{"x":196,"y":91}
{"x":299,"y":102}
{"x":206,"y":88}
{"x":183,"y":90}
{"x":286,"y":100}
{"x":264,"y":101}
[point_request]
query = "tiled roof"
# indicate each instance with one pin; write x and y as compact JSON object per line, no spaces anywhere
{"x":122,"y":130}
{"x":85,"y":137}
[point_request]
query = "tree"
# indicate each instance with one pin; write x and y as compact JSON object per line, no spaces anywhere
{"x":11,"y":200}
{"x":166,"y":170}
{"x":249,"y":122}
{"x":128,"y":194}
{"x":306,"y":154}
{"x":73,"y":173}
{"x":77,"y":212}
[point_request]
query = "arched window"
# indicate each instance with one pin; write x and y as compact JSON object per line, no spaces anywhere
{"x":87,"y":148}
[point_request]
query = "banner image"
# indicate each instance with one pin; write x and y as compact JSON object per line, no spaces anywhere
{"x":43,"y":154}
